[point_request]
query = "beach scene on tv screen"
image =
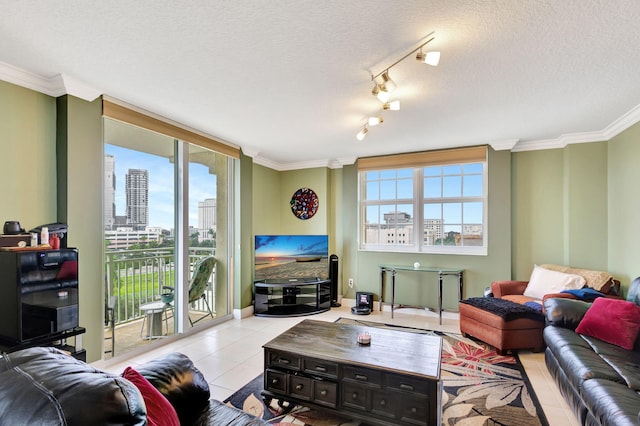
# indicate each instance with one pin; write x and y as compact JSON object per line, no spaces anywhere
{"x":291,"y":257}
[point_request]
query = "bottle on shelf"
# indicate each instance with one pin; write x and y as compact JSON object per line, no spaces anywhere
{"x":44,"y":235}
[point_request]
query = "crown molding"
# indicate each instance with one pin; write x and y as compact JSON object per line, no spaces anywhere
{"x":58,"y":85}
{"x":623,"y":123}
{"x":281,"y":167}
{"x":504,"y":144}
{"x":618,"y":126}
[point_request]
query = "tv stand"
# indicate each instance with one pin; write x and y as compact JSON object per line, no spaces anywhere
{"x":288,"y":297}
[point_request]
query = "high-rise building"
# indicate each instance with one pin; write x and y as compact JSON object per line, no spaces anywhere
{"x":109,"y":192}
{"x":137,"y":192}
{"x":206,"y":219}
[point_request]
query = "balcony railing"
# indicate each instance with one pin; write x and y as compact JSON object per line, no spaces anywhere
{"x":136,"y":277}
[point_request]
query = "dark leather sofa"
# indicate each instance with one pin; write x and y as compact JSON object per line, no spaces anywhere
{"x":600,"y":381}
{"x":44,"y":386}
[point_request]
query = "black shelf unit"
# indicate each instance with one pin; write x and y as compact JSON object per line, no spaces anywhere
{"x":291,"y":297}
{"x":57,"y":340}
{"x":39,"y":300}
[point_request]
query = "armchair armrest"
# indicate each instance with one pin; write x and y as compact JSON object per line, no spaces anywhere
{"x":503,"y":288}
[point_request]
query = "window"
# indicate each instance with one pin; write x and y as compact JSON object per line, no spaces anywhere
{"x":445,"y":189}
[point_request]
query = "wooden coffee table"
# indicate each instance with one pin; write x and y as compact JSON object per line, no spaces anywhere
{"x":393,"y":381}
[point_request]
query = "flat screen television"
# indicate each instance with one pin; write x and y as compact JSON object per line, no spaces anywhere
{"x":291,"y":257}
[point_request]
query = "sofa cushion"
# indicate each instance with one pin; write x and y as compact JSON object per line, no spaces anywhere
{"x":46,"y":386}
{"x":612,"y":320}
{"x":544,"y":281}
{"x":175,"y":376}
{"x":159,"y":411}
{"x":610,"y":402}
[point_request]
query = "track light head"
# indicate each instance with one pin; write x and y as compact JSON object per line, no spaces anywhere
{"x":430,"y":58}
{"x":381,"y":92}
{"x":374,"y":121}
{"x":393,"y":105}
{"x":362,"y":133}
{"x":388,"y":83}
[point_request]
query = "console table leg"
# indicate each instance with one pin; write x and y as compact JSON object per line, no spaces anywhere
{"x":393,"y":290}
{"x":382,"y":278}
{"x":440,"y":297}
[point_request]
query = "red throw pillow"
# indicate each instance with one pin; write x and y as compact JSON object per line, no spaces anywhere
{"x":160,"y":412}
{"x":613,"y":321}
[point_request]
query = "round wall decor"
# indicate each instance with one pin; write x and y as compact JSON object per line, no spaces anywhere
{"x":304,"y":203}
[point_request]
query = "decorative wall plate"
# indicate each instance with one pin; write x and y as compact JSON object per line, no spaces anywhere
{"x":304,"y":203}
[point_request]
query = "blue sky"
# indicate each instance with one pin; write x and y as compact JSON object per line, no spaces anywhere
{"x":202,"y":185}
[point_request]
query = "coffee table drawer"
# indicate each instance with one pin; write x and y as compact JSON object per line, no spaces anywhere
{"x":414,"y":409}
{"x":320,"y":367}
{"x":385,"y":403}
{"x":408,"y":384}
{"x":362,"y":375}
{"x":275,"y":381}
{"x":325,"y":393}
{"x":354,"y":396}
{"x":284,"y":360}
{"x":300,"y":387}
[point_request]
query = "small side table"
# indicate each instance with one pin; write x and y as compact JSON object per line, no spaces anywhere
{"x":153,"y":319}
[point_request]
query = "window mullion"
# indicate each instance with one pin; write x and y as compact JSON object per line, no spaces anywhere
{"x":418,"y":221}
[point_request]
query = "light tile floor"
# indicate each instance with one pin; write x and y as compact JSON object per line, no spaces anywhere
{"x":230,"y":354}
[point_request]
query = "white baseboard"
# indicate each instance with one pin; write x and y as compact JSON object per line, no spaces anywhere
{"x":243,"y":313}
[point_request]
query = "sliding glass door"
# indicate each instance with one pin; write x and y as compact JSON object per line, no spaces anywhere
{"x":166,"y":234}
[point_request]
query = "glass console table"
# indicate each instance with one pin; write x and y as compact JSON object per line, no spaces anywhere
{"x":442,"y":272}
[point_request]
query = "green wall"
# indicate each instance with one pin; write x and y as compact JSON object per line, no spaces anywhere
{"x":338,"y":190}
{"x":55,"y":148}
{"x":623,"y":203}
{"x":560,"y":208}
{"x":80,"y":172}
{"x":414,"y":288}
{"x":28,"y":141}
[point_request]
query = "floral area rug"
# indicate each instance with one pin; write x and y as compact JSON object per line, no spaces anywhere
{"x":480,"y":388}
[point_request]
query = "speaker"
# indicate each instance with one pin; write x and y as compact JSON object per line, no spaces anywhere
{"x":333,"y":277}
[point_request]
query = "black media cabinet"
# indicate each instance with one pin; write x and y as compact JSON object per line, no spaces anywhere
{"x":291,"y":297}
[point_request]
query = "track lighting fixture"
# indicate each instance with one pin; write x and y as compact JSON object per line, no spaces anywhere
{"x":382,"y":90}
{"x":362,"y":133}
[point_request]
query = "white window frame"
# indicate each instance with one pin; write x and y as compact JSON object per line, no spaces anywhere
{"x":418,"y":202}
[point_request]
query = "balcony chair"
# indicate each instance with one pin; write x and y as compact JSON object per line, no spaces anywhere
{"x":199,"y":282}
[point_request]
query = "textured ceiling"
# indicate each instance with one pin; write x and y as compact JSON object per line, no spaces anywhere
{"x":289,"y":80}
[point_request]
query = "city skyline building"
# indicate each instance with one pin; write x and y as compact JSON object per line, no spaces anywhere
{"x":206,"y":219}
{"x":109,"y":192}
{"x":137,"y":197}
